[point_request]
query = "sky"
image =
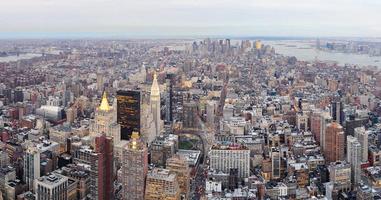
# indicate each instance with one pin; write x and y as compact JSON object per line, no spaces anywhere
{"x":296,"y":18}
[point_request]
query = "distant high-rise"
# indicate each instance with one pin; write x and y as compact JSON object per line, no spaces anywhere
{"x":134,"y":168}
{"x":100,"y":82}
{"x":362,"y":135}
{"x":31,"y":166}
{"x":258,"y":45}
{"x":275,"y":163}
{"x":169,"y":97}
{"x":354,"y":158}
{"x":316,"y":125}
{"x":334,"y":142}
{"x":18,"y":95}
{"x":155,"y":104}
{"x":325,"y":119}
{"x":102,"y":168}
{"x":128,"y":112}
{"x":337,"y":111}
{"x":190,"y":119}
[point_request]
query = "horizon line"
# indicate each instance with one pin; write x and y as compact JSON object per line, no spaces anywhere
{"x":127,"y":36}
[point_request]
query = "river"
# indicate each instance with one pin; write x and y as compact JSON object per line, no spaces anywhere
{"x":304,"y":50}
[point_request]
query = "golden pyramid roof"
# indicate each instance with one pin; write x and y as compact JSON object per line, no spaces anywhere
{"x":104,"y":103}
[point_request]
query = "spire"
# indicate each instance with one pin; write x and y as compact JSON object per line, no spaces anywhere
{"x":104,"y":103}
{"x":155,"y":90}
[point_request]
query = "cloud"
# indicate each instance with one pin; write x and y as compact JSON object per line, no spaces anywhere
{"x":180,"y":17}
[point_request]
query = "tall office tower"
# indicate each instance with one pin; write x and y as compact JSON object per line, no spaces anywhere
{"x":362,"y":135}
{"x":134,"y":168}
{"x":71,"y":114}
{"x":179,"y":165}
{"x":352,"y":122}
{"x":162,"y":184}
{"x":337,"y":112}
{"x":228,"y":45}
{"x":147,"y":126}
{"x":170,"y":79}
{"x":316,"y":125}
{"x":190,"y":118}
{"x":224,"y":158}
{"x":211,"y":109}
{"x":128,"y":112}
{"x":52,"y":187}
{"x":143,"y":72}
{"x":334,"y":142}
{"x":31,"y":166}
{"x":325,"y":119}
{"x":105,"y":121}
{"x":354,"y":158}
{"x":102,"y":168}
{"x":275,"y":163}
{"x":258,"y":45}
{"x":155,"y":104}
{"x":100,"y":82}
{"x":18,"y":95}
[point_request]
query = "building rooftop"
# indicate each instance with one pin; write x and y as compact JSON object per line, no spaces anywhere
{"x":162,"y":174}
{"x":191,"y":156}
{"x":51,"y":180}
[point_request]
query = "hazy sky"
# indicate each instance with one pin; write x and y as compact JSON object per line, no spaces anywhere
{"x":193,"y":17}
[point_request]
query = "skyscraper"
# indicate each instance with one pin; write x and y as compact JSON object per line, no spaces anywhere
{"x":362,"y":135}
{"x":316,"y":125}
{"x":128,"y":112}
{"x":337,"y":111}
{"x":134,"y":168}
{"x":275,"y":163}
{"x":354,"y":158}
{"x":334,"y":142}
{"x":105,"y":121}
{"x":169,"y":97}
{"x":31,"y":166}
{"x":325,"y":119}
{"x":102,"y":167}
{"x":155,"y":104}
{"x":100,"y":82}
{"x":190,"y":119}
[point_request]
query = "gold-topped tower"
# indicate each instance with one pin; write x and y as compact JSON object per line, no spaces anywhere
{"x":104,"y":103}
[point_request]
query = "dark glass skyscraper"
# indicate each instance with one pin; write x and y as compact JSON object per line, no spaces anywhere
{"x":337,"y":111}
{"x":128,"y":112}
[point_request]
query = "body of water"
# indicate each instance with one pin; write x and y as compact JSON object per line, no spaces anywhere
{"x":20,"y":57}
{"x":304,"y":50}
